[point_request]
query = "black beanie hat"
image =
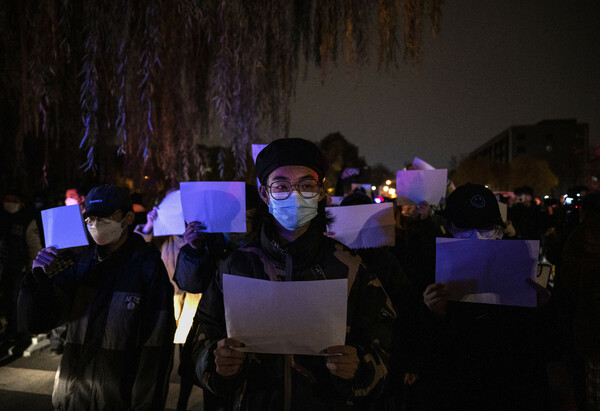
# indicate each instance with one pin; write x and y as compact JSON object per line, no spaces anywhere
{"x":289,"y":152}
{"x":473,"y":206}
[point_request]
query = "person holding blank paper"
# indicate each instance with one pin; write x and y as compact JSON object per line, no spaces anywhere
{"x":292,"y":247}
{"x":487,"y":356}
{"x":117,"y":302}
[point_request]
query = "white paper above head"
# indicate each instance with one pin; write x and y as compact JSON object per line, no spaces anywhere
{"x":419,"y":164}
{"x":364,"y":225}
{"x":169,"y":220}
{"x":488,"y":271}
{"x":422,"y":185}
{"x":298,"y":317}
{"x":219,"y":205}
{"x":257,"y":148}
{"x":64,"y":227}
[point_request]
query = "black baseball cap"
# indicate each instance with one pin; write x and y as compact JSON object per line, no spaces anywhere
{"x":473,"y":206}
{"x":289,"y":152}
{"x":105,"y":200}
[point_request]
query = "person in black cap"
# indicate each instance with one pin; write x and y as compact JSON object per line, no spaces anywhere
{"x":488,"y":357}
{"x":116,"y":298}
{"x":292,"y":247}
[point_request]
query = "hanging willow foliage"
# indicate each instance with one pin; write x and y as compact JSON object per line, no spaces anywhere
{"x":129,"y":89}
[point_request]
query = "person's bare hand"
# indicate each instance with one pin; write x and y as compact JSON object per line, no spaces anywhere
{"x":342,"y":361}
{"x":194,"y":235}
{"x":227,"y":358}
{"x":150,"y":219}
{"x":436,"y":298}
{"x":45,"y":258}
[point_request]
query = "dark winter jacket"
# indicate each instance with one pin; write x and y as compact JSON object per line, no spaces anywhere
{"x":259,"y":384}
{"x":118,"y":351}
{"x":580,"y":275}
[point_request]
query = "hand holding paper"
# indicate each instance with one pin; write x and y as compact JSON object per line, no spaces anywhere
{"x":342,"y":361}
{"x":195,"y":235}
{"x":45,"y":258}
{"x":227,"y":358}
{"x":220,"y":206}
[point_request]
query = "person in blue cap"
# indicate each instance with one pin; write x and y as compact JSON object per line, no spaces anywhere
{"x":117,"y":300}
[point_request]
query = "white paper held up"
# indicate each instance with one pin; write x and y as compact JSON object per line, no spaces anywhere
{"x":219,"y":205}
{"x":422,"y":185}
{"x":297,"y":317}
{"x":364,"y":225}
{"x":488,"y":271}
{"x":169,"y":220}
{"x":64,"y":227}
{"x":419,"y":164}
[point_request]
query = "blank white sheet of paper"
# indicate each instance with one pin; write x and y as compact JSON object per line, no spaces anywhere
{"x":297,"y":317}
{"x":169,"y":220}
{"x":64,"y":227}
{"x":422,"y":185}
{"x":488,"y":271}
{"x":219,"y":205}
{"x":364,"y":225}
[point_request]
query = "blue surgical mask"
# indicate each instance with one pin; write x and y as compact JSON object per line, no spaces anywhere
{"x":295,"y":211}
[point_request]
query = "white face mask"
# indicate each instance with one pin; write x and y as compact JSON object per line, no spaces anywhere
{"x":71,"y":201}
{"x":105,"y":231}
{"x":12,"y":207}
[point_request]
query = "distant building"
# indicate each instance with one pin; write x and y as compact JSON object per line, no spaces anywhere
{"x":562,"y":143}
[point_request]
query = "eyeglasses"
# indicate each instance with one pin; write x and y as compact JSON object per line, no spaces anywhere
{"x":95,"y":220}
{"x":280,"y":190}
{"x":487,"y":233}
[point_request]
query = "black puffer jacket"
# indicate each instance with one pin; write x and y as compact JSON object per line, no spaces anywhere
{"x":259,"y":385}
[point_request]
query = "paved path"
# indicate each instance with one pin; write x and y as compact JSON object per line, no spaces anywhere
{"x":26,"y":384}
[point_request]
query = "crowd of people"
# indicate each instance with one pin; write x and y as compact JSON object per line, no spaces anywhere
{"x":115,"y":309}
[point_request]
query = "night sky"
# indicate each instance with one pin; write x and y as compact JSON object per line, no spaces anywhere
{"x":494,"y":65}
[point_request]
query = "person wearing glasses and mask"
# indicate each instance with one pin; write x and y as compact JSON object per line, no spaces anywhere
{"x":292,"y":247}
{"x":116,"y":298}
{"x":484,"y":356}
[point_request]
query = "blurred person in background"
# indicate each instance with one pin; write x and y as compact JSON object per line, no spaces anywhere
{"x":75,"y":195}
{"x":525,"y":215}
{"x":197,"y":266}
{"x":578,"y":282}
{"x":404,"y":366}
{"x":19,"y":238}
{"x":139,"y":208}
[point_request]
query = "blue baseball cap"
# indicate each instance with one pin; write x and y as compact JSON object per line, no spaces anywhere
{"x":105,"y":200}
